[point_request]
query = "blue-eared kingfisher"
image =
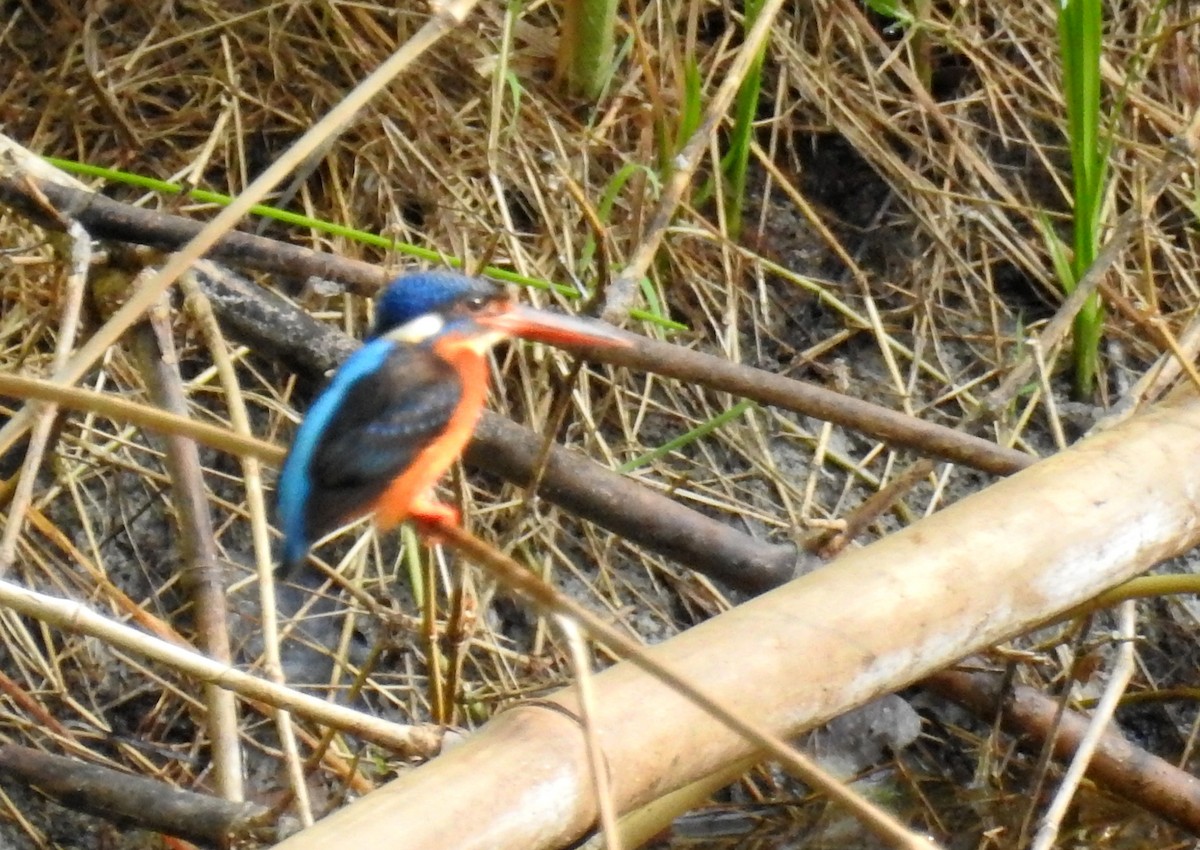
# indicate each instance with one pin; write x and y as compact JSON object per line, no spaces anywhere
{"x":400,"y":410}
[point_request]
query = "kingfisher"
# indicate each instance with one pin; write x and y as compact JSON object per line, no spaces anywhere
{"x":400,"y":410}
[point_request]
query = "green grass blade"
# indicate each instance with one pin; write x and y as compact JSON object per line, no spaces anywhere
{"x":697,"y":433}
{"x":1081,"y":31}
{"x":604,"y":209}
{"x":737,"y":159}
{"x":587,"y":47}
{"x":352,"y":234}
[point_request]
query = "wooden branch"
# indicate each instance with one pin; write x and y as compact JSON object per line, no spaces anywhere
{"x":570,"y":479}
{"x":152,"y":344}
{"x":111,"y":219}
{"x":1121,"y":767}
{"x":882,"y":423}
{"x":106,"y":218}
{"x":135,"y":800}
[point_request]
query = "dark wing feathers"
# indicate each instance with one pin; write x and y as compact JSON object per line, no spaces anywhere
{"x":384,"y":421}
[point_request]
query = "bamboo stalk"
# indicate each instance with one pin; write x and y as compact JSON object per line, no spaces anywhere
{"x":987,"y":568}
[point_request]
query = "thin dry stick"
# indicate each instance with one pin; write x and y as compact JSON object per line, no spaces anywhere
{"x":1039,"y":359}
{"x":831,"y":542}
{"x":153,"y":344}
{"x":500,"y":77}
{"x":596,"y":762}
{"x":1127,"y":770}
{"x":459,"y":625}
{"x":1118,"y":682}
{"x":81,"y":256}
{"x":624,"y":287}
{"x":151,"y":804}
{"x":446,"y":17}
{"x":441,"y":699}
{"x":201,"y":311}
{"x":73,"y":616}
{"x":144,"y":416}
{"x":549,"y":599}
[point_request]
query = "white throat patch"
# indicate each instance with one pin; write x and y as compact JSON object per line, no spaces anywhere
{"x":417,"y":330}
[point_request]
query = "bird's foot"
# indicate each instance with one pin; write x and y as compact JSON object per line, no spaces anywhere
{"x":429,"y":516}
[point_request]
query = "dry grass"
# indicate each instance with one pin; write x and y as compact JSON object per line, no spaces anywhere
{"x":900,"y":259}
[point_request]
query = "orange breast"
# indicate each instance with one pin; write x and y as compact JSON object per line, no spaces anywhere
{"x":395,"y":504}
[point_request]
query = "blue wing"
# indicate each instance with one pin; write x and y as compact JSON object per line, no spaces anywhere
{"x":382,"y":407}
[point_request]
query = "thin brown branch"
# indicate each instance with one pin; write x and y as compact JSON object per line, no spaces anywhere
{"x":110,"y":219}
{"x":262,"y":316}
{"x":1118,"y":765}
{"x":134,"y":800}
{"x":890,"y":426}
{"x":512,"y":451}
{"x":153,"y":345}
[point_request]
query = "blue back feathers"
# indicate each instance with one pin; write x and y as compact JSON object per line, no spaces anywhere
{"x":295,"y":485}
{"x":413,"y":295}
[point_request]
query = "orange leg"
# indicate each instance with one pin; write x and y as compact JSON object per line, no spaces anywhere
{"x":428,"y":515}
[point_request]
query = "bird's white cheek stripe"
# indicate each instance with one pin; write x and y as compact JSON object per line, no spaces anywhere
{"x":418,"y":329}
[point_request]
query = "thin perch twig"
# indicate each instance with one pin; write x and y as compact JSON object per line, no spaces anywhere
{"x":549,"y":599}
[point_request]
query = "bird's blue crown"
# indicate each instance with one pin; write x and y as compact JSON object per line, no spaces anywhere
{"x":411,"y":296}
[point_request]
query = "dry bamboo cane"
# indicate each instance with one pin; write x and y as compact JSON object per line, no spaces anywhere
{"x":984,"y":569}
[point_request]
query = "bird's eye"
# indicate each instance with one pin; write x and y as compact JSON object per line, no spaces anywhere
{"x":476,"y":304}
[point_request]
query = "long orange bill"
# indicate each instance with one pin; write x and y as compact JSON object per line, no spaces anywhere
{"x":554,"y":328}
